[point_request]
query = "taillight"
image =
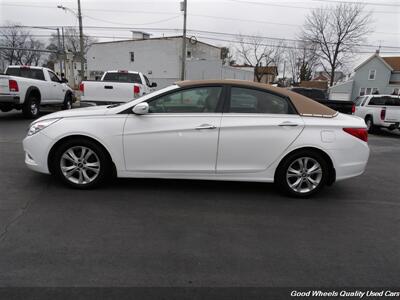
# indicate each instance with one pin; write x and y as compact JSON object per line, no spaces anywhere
{"x":82,"y":88}
{"x":353,"y":109}
{"x":136,"y":89}
{"x":13,"y":86}
{"x":360,"y":133}
{"x":383,"y":114}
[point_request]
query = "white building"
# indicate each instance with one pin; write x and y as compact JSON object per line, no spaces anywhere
{"x":160,"y":60}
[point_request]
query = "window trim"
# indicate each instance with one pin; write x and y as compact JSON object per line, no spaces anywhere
{"x":228,"y":100}
{"x":359,"y":94}
{"x":369,"y":74}
{"x":219,"y":107}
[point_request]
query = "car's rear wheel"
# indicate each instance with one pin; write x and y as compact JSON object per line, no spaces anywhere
{"x":31,"y":107}
{"x":370,"y":124}
{"x":302,"y":174}
{"x":81,"y":163}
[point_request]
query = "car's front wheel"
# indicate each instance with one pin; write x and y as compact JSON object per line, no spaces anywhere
{"x":302,"y":174}
{"x":81,"y":163}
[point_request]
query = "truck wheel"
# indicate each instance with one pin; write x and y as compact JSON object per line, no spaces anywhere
{"x":31,"y":107}
{"x":67,"y":102}
{"x":370,"y":124}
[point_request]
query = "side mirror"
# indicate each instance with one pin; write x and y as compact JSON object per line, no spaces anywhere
{"x":141,"y":108}
{"x":153,"y":84}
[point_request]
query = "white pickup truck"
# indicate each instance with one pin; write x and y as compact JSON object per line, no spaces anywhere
{"x":116,"y":87}
{"x":379,"y":111}
{"x":28,"y":88}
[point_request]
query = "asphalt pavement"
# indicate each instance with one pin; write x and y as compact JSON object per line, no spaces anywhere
{"x":147,"y":233}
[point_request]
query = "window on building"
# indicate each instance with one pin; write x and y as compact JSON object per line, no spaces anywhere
{"x":375,"y":91}
{"x":362,"y":91}
{"x":368,"y":91}
{"x":372,"y":74}
{"x":132,"y":56}
{"x":189,"y":54}
{"x":396,"y":91}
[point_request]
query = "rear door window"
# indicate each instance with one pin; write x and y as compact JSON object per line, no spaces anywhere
{"x":245,"y":100}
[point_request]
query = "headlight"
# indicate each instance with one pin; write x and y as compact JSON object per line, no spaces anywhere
{"x":39,"y":125}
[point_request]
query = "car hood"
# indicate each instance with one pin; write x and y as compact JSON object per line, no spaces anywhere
{"x":77,"y":112}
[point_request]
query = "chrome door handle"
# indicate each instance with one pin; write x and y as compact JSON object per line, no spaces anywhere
{"x":205,"y":126}
{"x":290,"y":124}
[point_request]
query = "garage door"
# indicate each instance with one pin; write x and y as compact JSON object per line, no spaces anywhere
{"x":339,"y":96}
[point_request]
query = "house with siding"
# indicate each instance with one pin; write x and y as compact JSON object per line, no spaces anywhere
{"x":376,"y":75}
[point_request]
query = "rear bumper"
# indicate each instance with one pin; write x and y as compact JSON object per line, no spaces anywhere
{"x":9,"y":99}
{"x":351,"y":163}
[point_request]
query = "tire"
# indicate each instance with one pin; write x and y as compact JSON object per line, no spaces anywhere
{"x":67,"y":102}
{"x":370,"y":125}
{"x":302,"y":183}
{"x":31,"y":107}
{"x":81,"y":171}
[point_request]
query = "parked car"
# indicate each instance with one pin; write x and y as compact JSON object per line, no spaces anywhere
{"x":116,"y":87}
{"x":320,"y":96}
{"x":213,"y":130}
{"x":27,"y":88}
{"x":379,"y":111}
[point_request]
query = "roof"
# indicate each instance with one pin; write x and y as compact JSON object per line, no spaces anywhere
{"x":393,"y":61}
{"x":305,"y":106}
{"x":154,"y":39}
{"x":376,"y":55}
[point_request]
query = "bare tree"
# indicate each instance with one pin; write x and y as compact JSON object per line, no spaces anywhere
{"x":21,"y":40}
{"x":302,"y":60}
{"x":256,"y":53}
{"x":336,"y":31}
{"x":71,"y":38}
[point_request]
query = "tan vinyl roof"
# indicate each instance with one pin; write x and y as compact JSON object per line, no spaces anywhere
{"x":305,"y":106}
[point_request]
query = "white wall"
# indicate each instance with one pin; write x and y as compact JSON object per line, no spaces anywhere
{"x":213,"y":69}
{"x":156,"y":58}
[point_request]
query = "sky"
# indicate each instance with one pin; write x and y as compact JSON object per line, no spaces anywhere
{"x":216,"y":22}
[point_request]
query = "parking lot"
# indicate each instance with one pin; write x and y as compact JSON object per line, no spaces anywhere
{"x":138,"y":232}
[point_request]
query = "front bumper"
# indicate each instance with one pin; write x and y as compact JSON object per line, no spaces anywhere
{"x":9,"y":99}
{"x":37,"y":148}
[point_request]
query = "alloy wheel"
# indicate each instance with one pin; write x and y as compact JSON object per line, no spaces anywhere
{"x":304,"y":175}
{"x":80,"y":165}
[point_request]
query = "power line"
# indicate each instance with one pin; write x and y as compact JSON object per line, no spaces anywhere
{"x":197,"y":31}
{"x":299,"y":7}
{"x":363,"y":2}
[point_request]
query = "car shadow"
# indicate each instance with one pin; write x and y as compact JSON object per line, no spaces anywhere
{"x":149,"y":188}
{"x":388,"y":133}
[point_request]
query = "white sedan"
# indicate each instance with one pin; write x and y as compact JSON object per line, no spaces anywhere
{"x":210,"y":130}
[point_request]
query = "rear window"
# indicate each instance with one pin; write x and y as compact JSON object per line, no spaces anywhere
{"x":122,"y":77}
{"x":385,"y":100}
{"x":26,"y":73}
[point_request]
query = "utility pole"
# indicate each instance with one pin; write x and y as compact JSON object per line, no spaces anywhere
{"x":64,"y":54}
{"x":82,"y":52}
{"x":59,"y":50}
{"x":183,"y":65}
